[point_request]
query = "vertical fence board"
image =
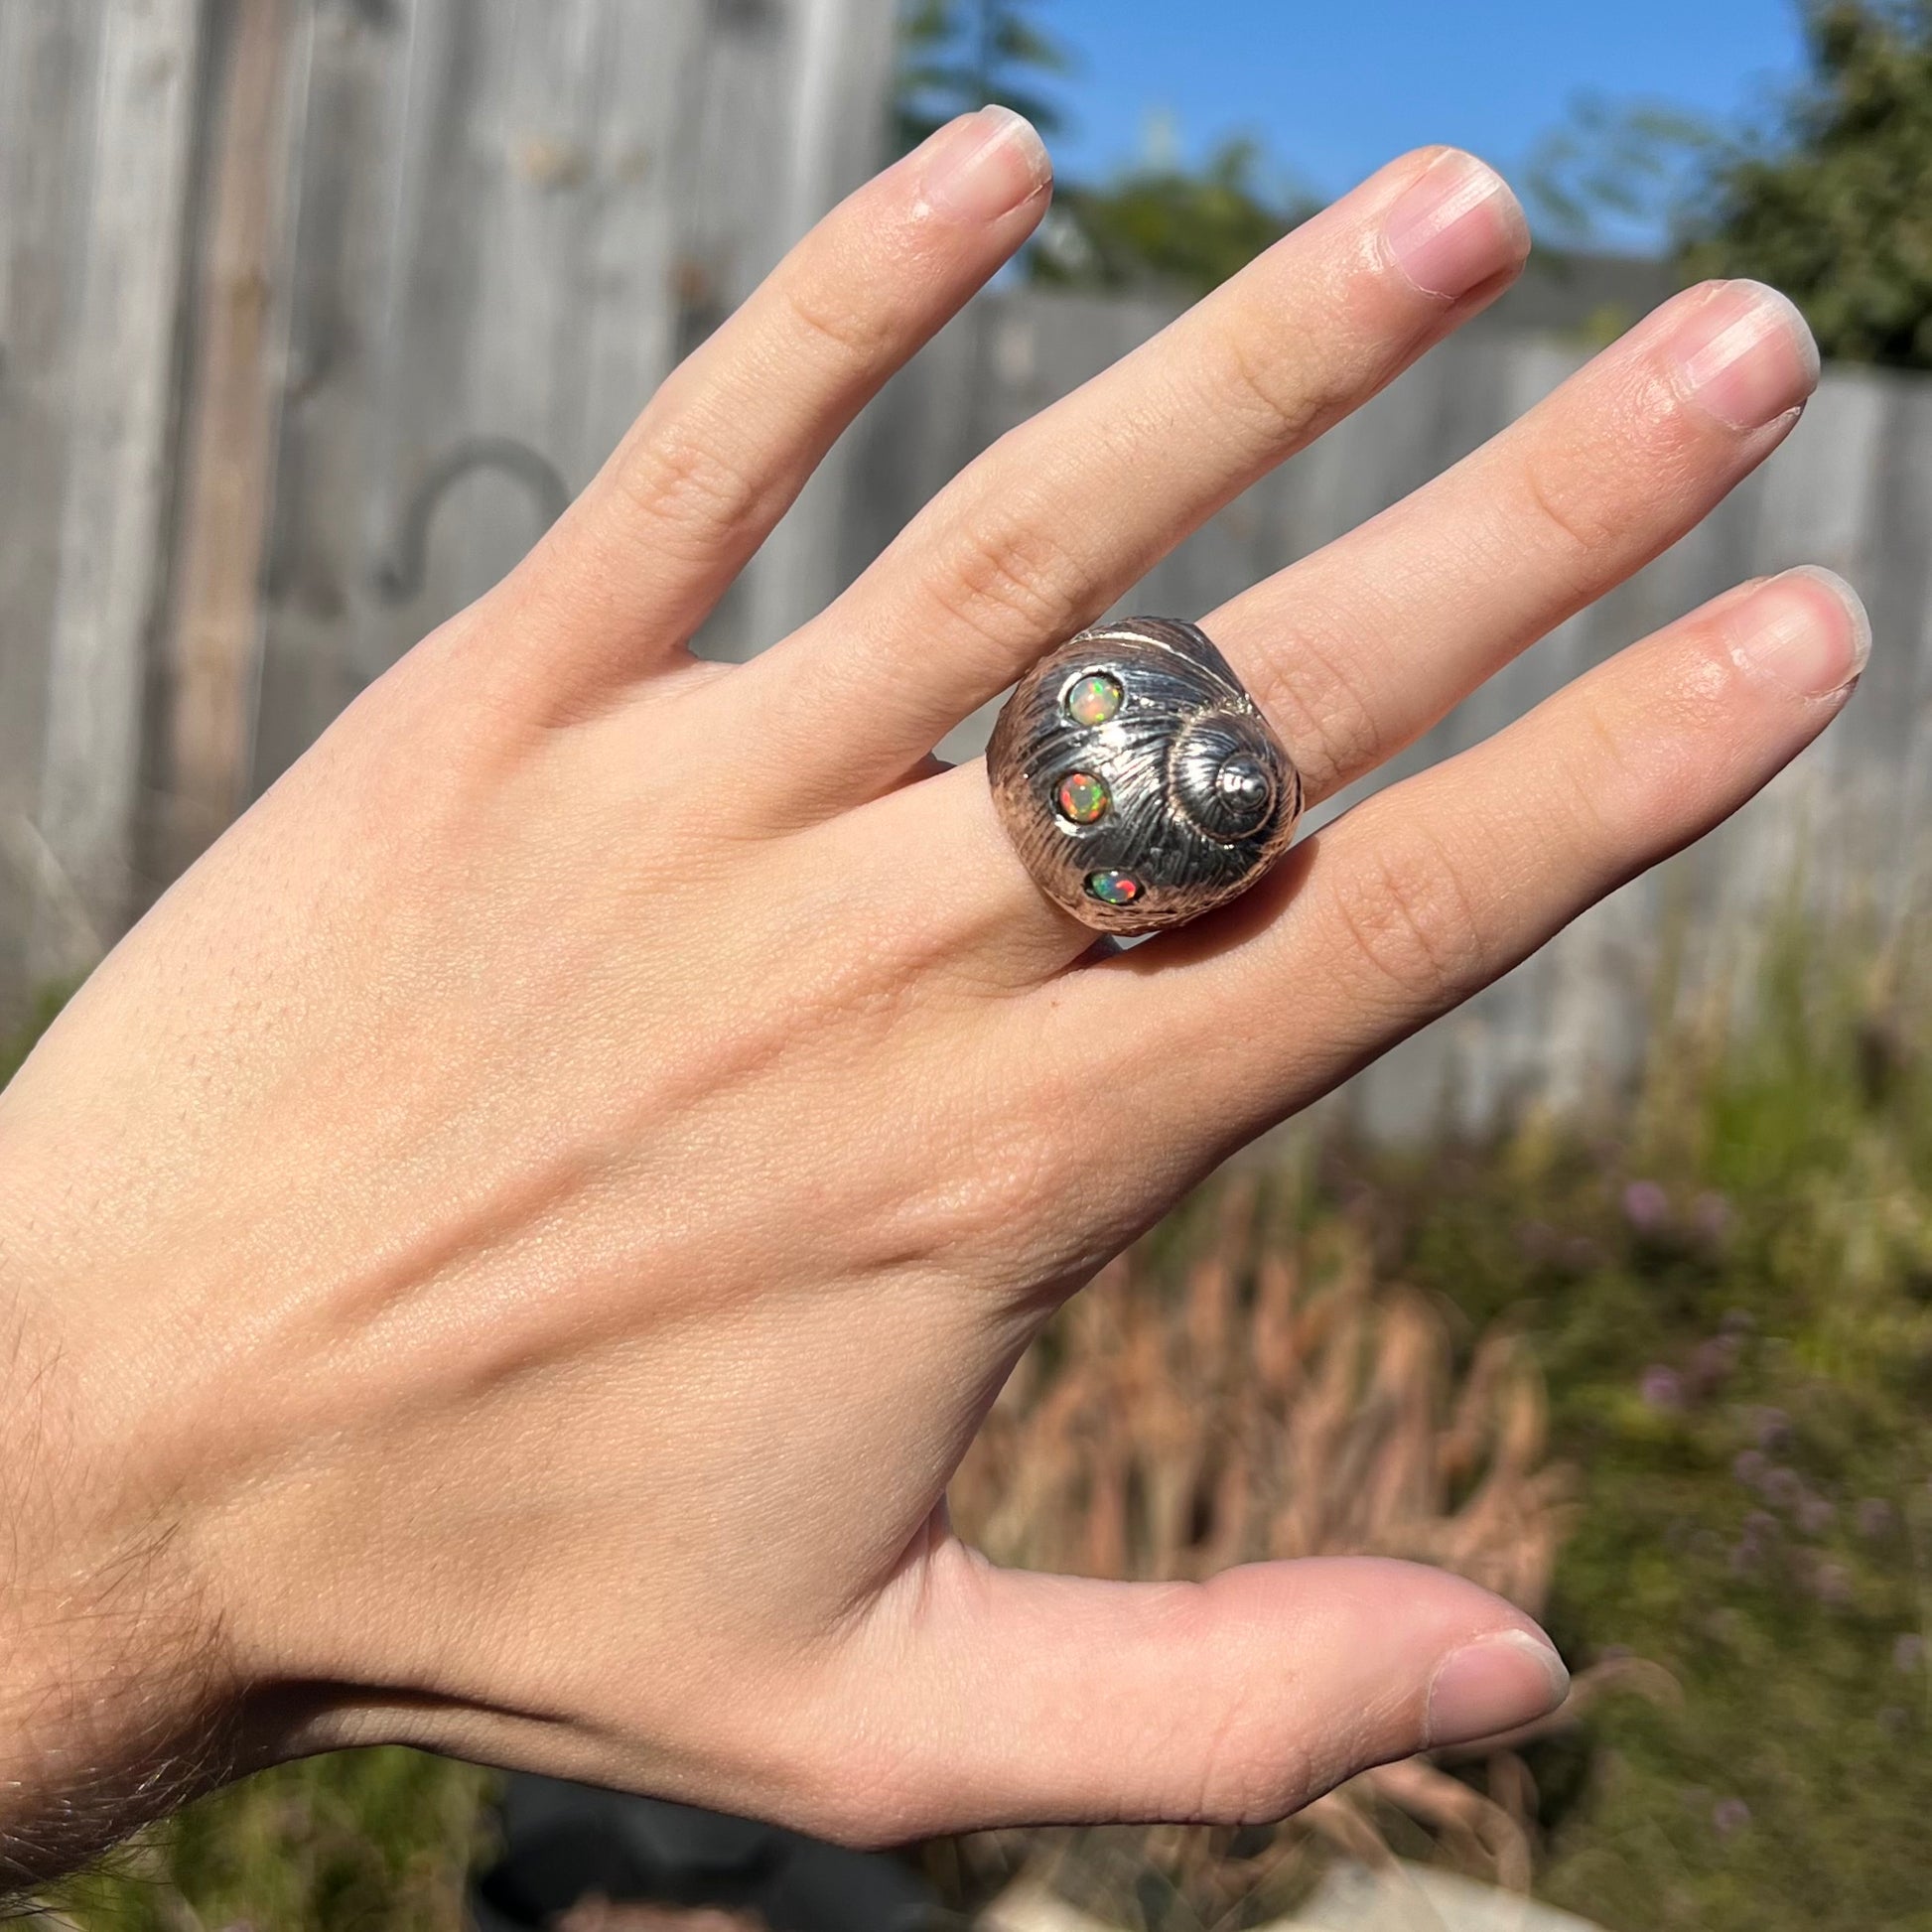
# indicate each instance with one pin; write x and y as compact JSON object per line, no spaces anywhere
{"x":502,"y":224}
{"x":320,"y":563}
{"x":49,"y":51}
{"x":204,"y":676}
{"x":114,"y":503}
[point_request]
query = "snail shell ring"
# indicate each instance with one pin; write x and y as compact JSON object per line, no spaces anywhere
{"x":1137,"y":780}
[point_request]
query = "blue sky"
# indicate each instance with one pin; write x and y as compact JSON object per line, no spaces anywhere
{"x":1334,"y":90}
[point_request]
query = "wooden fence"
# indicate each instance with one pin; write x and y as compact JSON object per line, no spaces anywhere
{"x":310,"y":313}
{"x":1852,"y":489}
{"x":313,"y":310}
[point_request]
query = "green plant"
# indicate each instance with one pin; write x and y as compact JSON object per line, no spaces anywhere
{"x":955,"y":55}
{"x":1829,"y":202}
{"x":1165,"y":226}
{"x":337,"y":1844}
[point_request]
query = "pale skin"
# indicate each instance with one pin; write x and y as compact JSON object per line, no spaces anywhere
{"x":508,"y":1254}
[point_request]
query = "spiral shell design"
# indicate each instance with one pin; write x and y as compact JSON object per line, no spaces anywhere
{"x":1137,"y":780}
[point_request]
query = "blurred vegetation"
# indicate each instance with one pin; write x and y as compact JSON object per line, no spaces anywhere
{"x":1163,"y":226}
{"x":1724,"y":1294}
{"x":1831,"y":203}
{"x":1823,"y":196}
{"x":957,"y":56}
{"x":1608,"y":165}
{"x":1728,"y":1289}
{"x":347,"y":1843}
{"x":1730,"y":1297}
{"x":1155,"y":224}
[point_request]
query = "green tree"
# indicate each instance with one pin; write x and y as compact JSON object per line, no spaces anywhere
{"x":955,"y":55}
{"x":1166,"y":226}
{"x":1612,"y":165}
{"x":1156,"y":225}
{"x":1833,"y":204}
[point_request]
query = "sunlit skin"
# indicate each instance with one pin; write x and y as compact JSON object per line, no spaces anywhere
{"x":508,"y":1254}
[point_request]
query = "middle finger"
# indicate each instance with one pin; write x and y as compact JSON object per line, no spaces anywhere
{"x":1358,"y":648}
{"x":1041,"y":534}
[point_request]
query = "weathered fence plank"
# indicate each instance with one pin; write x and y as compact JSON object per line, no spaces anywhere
{"x":427,"y":258}
{"x":49,"y":61}
{"x":120,"y":393}
{"x":205,"y":684}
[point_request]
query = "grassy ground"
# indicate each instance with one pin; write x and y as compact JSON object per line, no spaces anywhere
{"x":1732,"y":1300}
{"x":1729,"y":1289}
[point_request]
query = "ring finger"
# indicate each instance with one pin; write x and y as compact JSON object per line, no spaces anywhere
{"x":1358,"y":648}
{"x":1425,"y":894}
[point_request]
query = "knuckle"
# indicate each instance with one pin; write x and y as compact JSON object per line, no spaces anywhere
{"x":1276,"y":397}
{"x":825,"y":319}
{"x":1322,"y":710}
{"x":1253,"y":1780}
{"x":1010,"y":582}
{"x":678,"y":483}
{"x":1406,"y":916}
{"x":986,"y":1210}
{"x":1567,"y":505}
{"x":1603,"y":773}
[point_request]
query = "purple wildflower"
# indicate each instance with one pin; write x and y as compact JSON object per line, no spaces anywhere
{"x":1831,"y":1584}
{"x":1909,"y":1651}
{"x":1711,"y":1216}
{"x":1815,"y":1514}
{"x":1646,"y":1206}
{"x":1730,"y":1816}
{"x":1660,"y":1387}
{"x":1713,"y":1360}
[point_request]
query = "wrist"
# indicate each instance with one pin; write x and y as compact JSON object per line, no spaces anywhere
{"x":115,"y":1700}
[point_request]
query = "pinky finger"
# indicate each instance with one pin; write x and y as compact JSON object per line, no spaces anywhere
{"x":1429,"y":890}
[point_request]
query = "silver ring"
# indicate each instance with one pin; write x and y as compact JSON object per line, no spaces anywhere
{"x":1138,"y":780}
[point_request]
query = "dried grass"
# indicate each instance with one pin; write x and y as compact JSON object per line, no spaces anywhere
{"x":1270,"y":1398}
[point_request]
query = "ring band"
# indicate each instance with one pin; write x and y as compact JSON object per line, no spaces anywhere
{"x":1138,"y":780}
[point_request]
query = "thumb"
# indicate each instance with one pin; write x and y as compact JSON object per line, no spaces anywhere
{"x":1042,"y":1700}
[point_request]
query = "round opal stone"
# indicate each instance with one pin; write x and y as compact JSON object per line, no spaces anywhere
{"x":1082,"y":797}
{"x":1114,"y":888}
{"x":1093,"y":700}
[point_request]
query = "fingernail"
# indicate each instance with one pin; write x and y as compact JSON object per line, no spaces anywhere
{"x":1455,"y":227}
{"x":984,"y":166}
{"x":1806,"y":630}
{"x":1495,"y":1684}
{"x":1745,"y":355}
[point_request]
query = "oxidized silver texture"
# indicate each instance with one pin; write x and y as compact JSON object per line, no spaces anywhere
{"x":1201,"y":798}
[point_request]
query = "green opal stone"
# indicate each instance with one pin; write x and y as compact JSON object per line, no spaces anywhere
{"x":1082,"y":797}
{"x":1114,"y":888}
{"x":1093,"y":700}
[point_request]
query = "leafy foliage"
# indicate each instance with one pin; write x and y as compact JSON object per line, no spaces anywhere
{"x":1612,"y":165}
{"x":1832,"y":206}
{"x":1730,"y":1295}
{"x":1165,"y":226}
{"x":957,"y":56}
{"x":338,"y":1844}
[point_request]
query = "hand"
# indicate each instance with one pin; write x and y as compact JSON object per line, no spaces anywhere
{"x":508,"y":1254}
